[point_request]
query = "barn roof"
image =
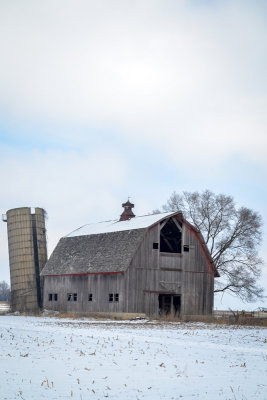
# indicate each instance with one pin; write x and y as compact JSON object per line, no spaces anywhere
{"x":105,"y":247}
{"x":118,"y":226}
{"x":100,"y":247}
{"x":99,"y":253}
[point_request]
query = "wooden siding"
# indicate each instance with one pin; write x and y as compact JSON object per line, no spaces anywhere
{"x":198,"y":278}
{"x":186,"y":274}
{"x":99,"y":285}
{"x":150,"y":274}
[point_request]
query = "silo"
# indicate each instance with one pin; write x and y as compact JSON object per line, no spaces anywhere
{"x":27,"y":256}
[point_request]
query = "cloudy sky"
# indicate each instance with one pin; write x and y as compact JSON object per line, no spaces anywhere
{"x":101,"y":100}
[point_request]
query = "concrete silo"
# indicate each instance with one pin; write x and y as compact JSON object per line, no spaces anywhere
{"x":27,"y":256}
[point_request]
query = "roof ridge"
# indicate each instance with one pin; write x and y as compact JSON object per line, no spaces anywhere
{"x":116,"y":223}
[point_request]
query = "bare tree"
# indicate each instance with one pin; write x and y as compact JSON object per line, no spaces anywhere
{"x":4,"y":291}
{"x":232,"y":236}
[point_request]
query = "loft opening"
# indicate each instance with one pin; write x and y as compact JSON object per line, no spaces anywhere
{"x":171,"y":237}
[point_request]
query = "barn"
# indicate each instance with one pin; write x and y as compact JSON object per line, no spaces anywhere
{"x":152,"y":264}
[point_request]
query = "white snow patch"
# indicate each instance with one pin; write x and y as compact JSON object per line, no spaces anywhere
{"x":49,"y":358}
{"x":117,"y":226}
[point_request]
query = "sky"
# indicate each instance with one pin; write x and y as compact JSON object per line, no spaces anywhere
{"x":104,"y":100}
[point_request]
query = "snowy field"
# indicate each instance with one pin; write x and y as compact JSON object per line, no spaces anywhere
{"x":49,"y":358}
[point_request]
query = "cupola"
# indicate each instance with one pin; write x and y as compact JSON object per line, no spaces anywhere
{"x":127,"y":213}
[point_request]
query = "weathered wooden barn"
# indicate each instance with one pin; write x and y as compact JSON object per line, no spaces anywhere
{"x":151,"y":264}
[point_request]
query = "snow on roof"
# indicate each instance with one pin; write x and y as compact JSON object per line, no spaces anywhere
{"x":117,"y":226}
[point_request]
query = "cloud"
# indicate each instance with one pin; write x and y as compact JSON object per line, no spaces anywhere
{"x":173,"y":77}
{"x":70,"y":175}
{"x":73,"y":188}
{"x":103,"y":97}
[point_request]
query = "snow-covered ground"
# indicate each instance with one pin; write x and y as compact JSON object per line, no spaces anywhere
{"x":49,"y":358}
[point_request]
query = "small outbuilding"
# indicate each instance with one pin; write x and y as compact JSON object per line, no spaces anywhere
{"x":151,"y":264}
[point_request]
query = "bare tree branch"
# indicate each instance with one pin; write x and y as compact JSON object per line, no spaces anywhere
{"x":4,"y":291}
{"x":233,"y":236}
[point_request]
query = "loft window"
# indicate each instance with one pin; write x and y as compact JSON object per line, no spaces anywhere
{"x":111,"y":297}
{"x":116,"y":296}
{"x":55,"y":296}
{"x":74,"y":296}
{"x":90,"y":297}
{"x":186,"y":248}
{"x":69,"y":296}
{"x":170,"y":238}
{"x":155,"y":245}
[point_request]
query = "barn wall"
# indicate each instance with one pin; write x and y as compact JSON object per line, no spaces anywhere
{"x":187,"y":274}
{"x":149,"y":275}
{"x":143,"y":275}
{"x":100,"y":286}
{"x":198,"y":279}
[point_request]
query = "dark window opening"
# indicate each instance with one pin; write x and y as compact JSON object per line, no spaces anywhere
{"x":155,"y":245}
{"x":72,"y":296}
{"x":116,"y":296}
{"x":110,"y":296}
{"x":170,"y":238}
{"x":52,"y":296}
{"x":90,"y":297}
{"x":186,"y":248}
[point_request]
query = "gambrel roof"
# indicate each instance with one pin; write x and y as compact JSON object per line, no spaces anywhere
{"x":101,"y":247}
{"x":117,"y":226}
{"x":106,"y":247}
{"x":104,"y":252}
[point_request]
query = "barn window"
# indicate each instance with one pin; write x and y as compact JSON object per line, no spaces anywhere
{"x":111,"y":297}
{"x":72,"y":296}
{"x":171,"y":237}
{"x":186,"y":248}
{"x":90,"y":297}
{"x":155,"y":245}
{"x":116,"y":296}
{"x":55,"y":296}
{"x":50,"y":297}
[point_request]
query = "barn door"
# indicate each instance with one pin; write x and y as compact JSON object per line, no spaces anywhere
{"x":177,"y":305}
{"x":169,"y":304}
